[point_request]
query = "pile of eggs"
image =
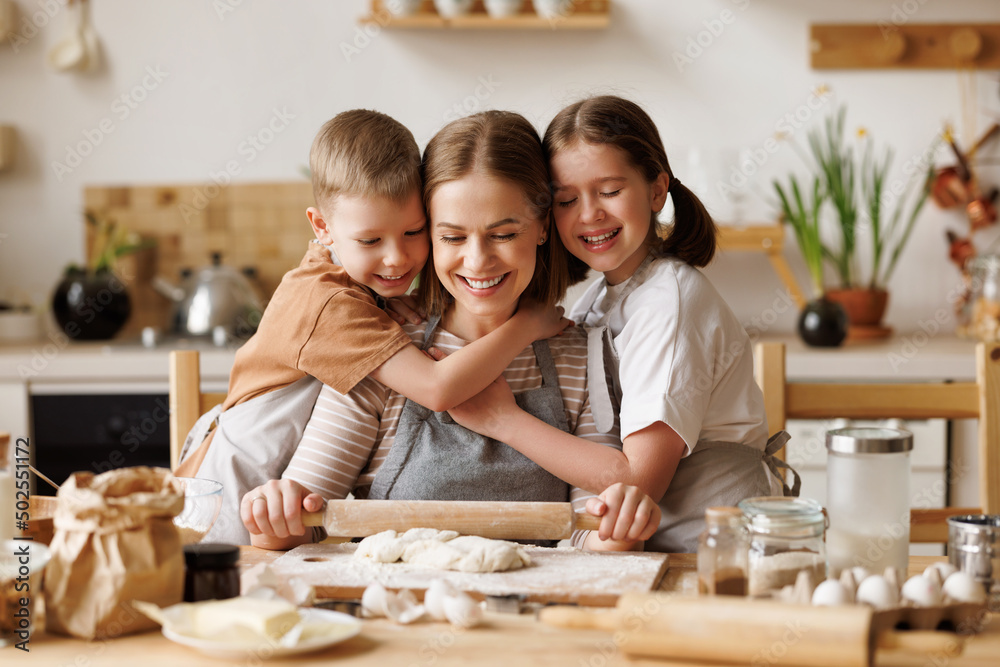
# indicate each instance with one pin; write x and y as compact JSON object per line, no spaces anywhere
{"x":442,"y":602}
{"x":940,"y":584}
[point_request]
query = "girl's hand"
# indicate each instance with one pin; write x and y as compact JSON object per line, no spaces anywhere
{"x":275,"y":508}
{"x":486,"y":412}
{"x":628,"y":516}
{"x":403,"y":309}
{"x":545,"y":321}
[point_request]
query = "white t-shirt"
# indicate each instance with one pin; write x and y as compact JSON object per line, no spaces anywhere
{"x":684,"y":357}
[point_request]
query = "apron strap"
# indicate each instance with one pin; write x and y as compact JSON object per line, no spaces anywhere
{"x":774,"y":464}
{"x":601,"y":405}
{"x":543,"y":355}
{"x":432,"y":323}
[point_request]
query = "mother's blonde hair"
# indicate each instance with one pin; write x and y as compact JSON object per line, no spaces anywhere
{"x":499,"y":144}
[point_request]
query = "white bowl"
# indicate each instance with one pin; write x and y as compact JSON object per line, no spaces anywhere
{"x":452,"y":8}
{"x":553,"y":9}
{"x":499,"y":9}
{"x":202,"y":502}
{"x":402,"y":7}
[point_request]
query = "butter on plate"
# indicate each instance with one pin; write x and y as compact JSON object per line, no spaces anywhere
{"x":243,"y":626}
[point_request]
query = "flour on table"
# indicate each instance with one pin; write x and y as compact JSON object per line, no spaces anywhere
{"x":443,"y":550}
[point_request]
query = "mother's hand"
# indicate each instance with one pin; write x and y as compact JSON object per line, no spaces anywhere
{"x":274,"y":509}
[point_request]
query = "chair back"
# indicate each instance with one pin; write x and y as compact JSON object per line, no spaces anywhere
{"x":187,"y":402}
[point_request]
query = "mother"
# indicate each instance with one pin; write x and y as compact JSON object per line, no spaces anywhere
{"x":486,"y":188}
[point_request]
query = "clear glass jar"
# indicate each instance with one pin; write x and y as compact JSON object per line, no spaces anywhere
{"x":981,"y":315}
{"x":722,"y":552}
{"x":786,"y":537}
{"x":868,"y":498}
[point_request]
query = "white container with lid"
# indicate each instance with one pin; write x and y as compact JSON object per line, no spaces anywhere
{"x":868,"y":498}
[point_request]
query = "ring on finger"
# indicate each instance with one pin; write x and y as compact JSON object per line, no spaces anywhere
{"x":256,"y":498}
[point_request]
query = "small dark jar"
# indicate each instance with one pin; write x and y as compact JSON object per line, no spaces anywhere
{"x":823,"y":323}
{"x":211,"y":573}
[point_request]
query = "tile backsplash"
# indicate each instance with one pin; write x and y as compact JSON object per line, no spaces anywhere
{"x":259,"y":225}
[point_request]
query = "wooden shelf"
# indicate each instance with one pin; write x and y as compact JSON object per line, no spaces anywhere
{"x":905,"y":46}
{"x":768,"y":239}
{"x":586,"y":15}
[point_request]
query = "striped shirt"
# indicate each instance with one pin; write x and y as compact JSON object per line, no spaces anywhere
{"x":349,"y":435}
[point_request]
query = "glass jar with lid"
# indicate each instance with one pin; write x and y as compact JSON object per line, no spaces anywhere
{"x":868,"y":498}
{"x":722,"y":553}
{"x":786,"y":537}
{"x":981,"y":315}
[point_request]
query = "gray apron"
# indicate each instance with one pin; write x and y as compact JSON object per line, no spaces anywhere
{"x":253,"y":443}
{"x":434,"y":458}
{"x":714,"y":474}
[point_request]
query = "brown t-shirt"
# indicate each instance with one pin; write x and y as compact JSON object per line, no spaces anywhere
{"x":321,"y":323}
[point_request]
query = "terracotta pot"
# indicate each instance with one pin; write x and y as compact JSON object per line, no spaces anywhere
{"x":864,"y":307}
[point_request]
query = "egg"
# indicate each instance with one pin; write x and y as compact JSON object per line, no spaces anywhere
{"x":944,"y":570}
{"x":831,"y":593}
{"x":922,"y":591}
{"x":962,"y":587}
{"x":434,"y":598}
{"x":374,"y":601}
{"x":463,"y":611}
{"x":877,"y":592}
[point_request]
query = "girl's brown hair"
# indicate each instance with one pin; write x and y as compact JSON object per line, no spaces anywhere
{"x":499,"y":144}
{"x":618,"y":122}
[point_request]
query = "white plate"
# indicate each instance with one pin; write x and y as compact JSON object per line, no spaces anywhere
{"x":341,"y":627}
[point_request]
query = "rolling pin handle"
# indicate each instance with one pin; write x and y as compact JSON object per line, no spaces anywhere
{"x":313,"y":518}
{"x":585,"y":521}
{"x":562,"y":616}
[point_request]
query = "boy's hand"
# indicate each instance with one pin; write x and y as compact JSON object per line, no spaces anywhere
{"x":403,"y":309}
{"x":485,"y":412}
{"x":628,"y":514}
{"x":275,"y":508}
{"x":544,"y":321}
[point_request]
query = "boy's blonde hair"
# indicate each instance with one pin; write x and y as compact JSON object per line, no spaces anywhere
{"x":364,"y":153}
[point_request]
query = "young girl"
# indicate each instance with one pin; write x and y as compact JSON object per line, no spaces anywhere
{"x":668,"y":361}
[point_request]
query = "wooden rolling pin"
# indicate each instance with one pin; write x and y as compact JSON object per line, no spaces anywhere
{"x":500,"y":520}
{"x":753,"y":632}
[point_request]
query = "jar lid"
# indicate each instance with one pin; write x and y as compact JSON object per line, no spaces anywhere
{"x":210,"y":555}
{"x":868,"y":440}
{"x":772,"y":514}
{"x":723,"y":515}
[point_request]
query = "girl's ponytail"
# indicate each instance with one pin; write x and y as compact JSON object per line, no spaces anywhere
{"x":692,"y":236}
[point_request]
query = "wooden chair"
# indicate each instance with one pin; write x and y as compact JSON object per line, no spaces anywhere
{"x":187,"y":402}
{"x":785,"y":400}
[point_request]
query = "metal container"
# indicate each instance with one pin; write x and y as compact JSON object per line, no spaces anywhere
{"x":974,"y":547}
{"x":868,"y":498}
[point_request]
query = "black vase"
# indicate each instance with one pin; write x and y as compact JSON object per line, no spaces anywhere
{"x":91,"y":306}
{"x":823,"y":323}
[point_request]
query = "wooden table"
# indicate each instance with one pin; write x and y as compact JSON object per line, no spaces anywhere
{"x":505,"y":639}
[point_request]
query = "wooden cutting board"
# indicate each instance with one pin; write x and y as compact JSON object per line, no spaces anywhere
{"x":562,"y":574}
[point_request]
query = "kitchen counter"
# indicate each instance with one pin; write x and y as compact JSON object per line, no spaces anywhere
{"x":504,"y":639}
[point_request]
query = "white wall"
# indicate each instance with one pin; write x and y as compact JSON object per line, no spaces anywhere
{"x":223,"y":75}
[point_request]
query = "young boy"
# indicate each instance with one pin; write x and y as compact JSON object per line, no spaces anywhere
{"x":324,"y":320}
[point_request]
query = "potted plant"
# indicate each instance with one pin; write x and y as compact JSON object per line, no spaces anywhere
{"x":92,"y":303}
{"x":864,"y":204}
